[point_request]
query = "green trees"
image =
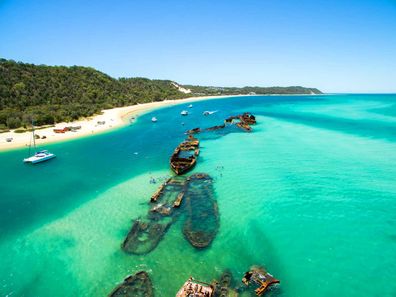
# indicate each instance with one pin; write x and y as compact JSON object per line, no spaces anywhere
{"x":52,"y":94}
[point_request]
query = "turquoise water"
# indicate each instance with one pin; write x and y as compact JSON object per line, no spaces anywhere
{"x":310,"y":194}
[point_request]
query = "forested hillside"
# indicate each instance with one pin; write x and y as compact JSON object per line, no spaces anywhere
{"x":53,"y":94}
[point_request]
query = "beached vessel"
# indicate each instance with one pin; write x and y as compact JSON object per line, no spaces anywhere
{"x":185,"y":155}
{"x":260,"y":278}
{"x":145,"y":235}
{"x":196,"y":288}
{"x":39,"y":156}
{"x":202,"y":217}
{"x":137,"y":285}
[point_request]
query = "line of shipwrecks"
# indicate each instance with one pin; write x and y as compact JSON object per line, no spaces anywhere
{"x":256,"y":280}
{"x":191,"y":198}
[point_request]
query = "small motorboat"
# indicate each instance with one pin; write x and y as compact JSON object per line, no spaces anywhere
{"x":207,"y":112}
{"x":154,"y":119}
{"x":184,"y":113}
{"x":190,"y":106}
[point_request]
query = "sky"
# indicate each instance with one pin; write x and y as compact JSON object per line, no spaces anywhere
{"x":337,"y":46}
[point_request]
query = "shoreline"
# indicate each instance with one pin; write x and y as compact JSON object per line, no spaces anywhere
{"x":114,"y":118}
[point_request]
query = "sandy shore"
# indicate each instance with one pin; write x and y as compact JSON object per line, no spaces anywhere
{"x":113,"y":118}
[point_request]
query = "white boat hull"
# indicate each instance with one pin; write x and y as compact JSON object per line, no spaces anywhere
{"x":37,"y":159}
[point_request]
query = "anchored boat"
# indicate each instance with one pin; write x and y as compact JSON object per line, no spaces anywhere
{"x":137,"y":285}
{"x":39,"y":156}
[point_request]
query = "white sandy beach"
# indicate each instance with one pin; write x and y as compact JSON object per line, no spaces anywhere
{"x":113,"y":118}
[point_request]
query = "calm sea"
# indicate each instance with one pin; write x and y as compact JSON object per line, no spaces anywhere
{"x":310,"y":194}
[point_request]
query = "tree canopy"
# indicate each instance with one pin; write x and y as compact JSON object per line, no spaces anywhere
{"x":52,"y":94}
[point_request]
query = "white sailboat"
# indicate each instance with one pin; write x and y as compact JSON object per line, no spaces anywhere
{"x":39,"y":156}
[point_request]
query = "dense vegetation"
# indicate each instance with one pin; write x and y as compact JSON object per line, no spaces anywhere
{"x":53,"y":94}
{"x":251,"y":90}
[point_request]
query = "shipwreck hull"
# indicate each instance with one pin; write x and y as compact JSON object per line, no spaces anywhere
{"x":202,"y":217}
{"x":185,"y":156}
{"x":145,"y":235}
{"x":137,"y":285}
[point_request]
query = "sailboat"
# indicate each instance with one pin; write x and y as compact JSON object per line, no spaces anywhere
{"x":39,"y":156}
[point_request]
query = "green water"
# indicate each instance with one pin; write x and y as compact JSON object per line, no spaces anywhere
{"x":310,"y":195}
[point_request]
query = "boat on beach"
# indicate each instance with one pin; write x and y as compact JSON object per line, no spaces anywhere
{"x":39,"y":156}
{"x":184,"y":157}
{"x":202,"y":216}
{"x":137,"y":285}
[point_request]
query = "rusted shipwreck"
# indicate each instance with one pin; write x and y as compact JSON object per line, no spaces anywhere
{"x":260,"y":278}
{"x":192,"y":196}
{"x":185,"y":155}
{"x":243,"y":121}
{"x":196,"y":288}
{"x":201,"y":212}
{"x":146,"y":233}
{"x":137,"y":285}
{"x":225,"y":287}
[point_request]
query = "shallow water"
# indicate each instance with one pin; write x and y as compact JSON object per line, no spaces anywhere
{"x":310,"y":194}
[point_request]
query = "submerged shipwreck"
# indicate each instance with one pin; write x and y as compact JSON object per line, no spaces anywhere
{"x":146,"y":233}
{"x":202,"y":215}
{"x":192,"y":196}
{"x":137,"y":285}
{"x":225,"y":287}
{"x":257,"y":276}
{"x":243,"y":121}
{"x":185,"y":155}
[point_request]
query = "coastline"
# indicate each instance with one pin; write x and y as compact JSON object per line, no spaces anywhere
{"x":114,"y":118}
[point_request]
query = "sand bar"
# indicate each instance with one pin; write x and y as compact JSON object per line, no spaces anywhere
{"x":113,"y":118}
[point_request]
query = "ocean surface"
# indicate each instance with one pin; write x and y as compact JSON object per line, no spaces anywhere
{"x":310,"y":194}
